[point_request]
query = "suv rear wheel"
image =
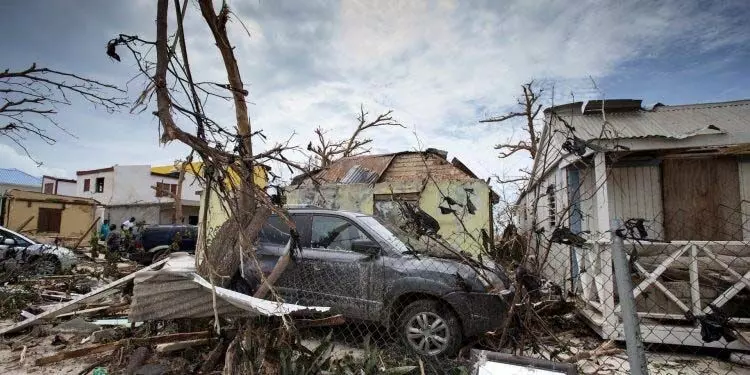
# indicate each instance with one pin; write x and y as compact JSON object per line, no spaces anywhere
{"x":430,"y":328}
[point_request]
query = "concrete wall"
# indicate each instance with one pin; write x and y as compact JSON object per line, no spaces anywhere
{"x":60,"y":187}
{"x":76,"y":217}
{"x":217,"y":213}
{"x":462,"y":228}
{"x":107,"y":196}
{"x":346,"y":197}
{"x":151,"y":214}
{"x":131,"y":184}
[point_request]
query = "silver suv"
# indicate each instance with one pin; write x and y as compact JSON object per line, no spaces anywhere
{"x":368,"y":270}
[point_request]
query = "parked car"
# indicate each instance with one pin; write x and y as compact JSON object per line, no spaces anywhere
{"x":17,"y":250}
{"x":370,"y":271}
{"x":154,"y":242}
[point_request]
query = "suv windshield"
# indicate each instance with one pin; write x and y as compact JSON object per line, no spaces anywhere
{"x":406,"y":242}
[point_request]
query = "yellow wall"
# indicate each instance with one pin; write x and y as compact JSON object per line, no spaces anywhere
{"x":345,"y":197}
{"x":217,"y":215}
{"x":462,"y":229}
{"x":76,"y":217}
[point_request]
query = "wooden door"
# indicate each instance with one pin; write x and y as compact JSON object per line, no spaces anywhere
{"x":49,"y":220}
{"x":702,"y":199}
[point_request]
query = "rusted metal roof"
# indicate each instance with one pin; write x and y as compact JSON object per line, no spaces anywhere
{"x":675,"y":122}
{"x":364,"y":166}
{"x":359,"y":175}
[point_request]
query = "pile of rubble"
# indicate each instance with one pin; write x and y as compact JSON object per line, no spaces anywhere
{"x":99,"y":322}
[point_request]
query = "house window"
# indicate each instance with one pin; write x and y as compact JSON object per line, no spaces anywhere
{"x":193,"y":219}
{"x":86,"y":184}
{"x":173,"y":188}
{"x":100,"y":184}
{"x":49,"y":188}
{"x":701,"y":199}
{"x":551,"y":206}
{"x":49,"y":220}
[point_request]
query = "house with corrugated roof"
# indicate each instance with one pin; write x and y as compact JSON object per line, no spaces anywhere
{"x":385,"y":185}
{"x":11,"y":178}
{"x":674,"y":181}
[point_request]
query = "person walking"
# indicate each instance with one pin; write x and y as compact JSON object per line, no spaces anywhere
{"x":104,"y":230}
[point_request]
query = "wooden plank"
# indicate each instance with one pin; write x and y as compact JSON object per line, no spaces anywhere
{"x":78,"y":243}
{"x":663,"y":289}
{"x":651,"y":278}
{"x":729,"y":293}
{"x":180,"y":345}
{"x":695,"y":287}
{"x":94,"y":295}
{"x":24,"y":224}
{"x":606,"y":282}
{"x":60,"y":356}
{"x":726,"y":267}
{"x":77,"y":353}
{"x":602,"y":196}
{"x":702,"y":199}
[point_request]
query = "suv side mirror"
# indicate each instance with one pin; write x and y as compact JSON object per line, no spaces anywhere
{"x":9,"y":242}
{"x":368,"y":247}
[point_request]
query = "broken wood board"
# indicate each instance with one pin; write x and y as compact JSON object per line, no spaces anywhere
{"x":70,"y":306}
{"x":180,"y":345}
{"x":60,"y":356}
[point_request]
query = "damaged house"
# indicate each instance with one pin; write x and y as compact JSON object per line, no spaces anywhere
{"x":447,"y":195}
{"x":676,"y":181}
{"x":140,"y":191}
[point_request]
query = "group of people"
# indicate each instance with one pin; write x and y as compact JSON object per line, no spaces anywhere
{"x":109,"y":234}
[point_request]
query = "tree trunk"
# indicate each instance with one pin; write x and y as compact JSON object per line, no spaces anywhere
{"x":222,"y":257}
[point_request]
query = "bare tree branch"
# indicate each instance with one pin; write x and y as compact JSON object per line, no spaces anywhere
{"x":327,"y":150}
{"x":29,"y":98}
{"x":531,"y":107}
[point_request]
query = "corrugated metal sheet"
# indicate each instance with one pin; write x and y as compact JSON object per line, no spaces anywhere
{"x":359,"y":175}
{"x":176,"y":291}
{"x":14,"y":176}
{"x":340,"y":168}
{"x":676,"y":122}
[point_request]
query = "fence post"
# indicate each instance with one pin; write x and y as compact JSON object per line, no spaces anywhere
{"x":633,"y":341}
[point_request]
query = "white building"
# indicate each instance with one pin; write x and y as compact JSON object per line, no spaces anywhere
{"x":684,"y":171}
{"x":129,"y":191}
{"x":59,"y":186}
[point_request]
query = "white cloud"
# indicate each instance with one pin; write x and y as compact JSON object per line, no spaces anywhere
{"x":440,"y":65}
{"x":10,"y":158}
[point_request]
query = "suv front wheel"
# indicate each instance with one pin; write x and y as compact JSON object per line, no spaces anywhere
{"x":430,"y":328}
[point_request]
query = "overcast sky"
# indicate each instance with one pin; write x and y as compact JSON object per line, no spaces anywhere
{"x":440,"y":65}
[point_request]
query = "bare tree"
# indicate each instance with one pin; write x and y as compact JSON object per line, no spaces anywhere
{"x":529,"y":110}
{"x":30,"y":98}
{"x":327,"y":151}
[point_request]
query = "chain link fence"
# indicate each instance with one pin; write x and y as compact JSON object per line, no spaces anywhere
{"x":683,"y":238}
